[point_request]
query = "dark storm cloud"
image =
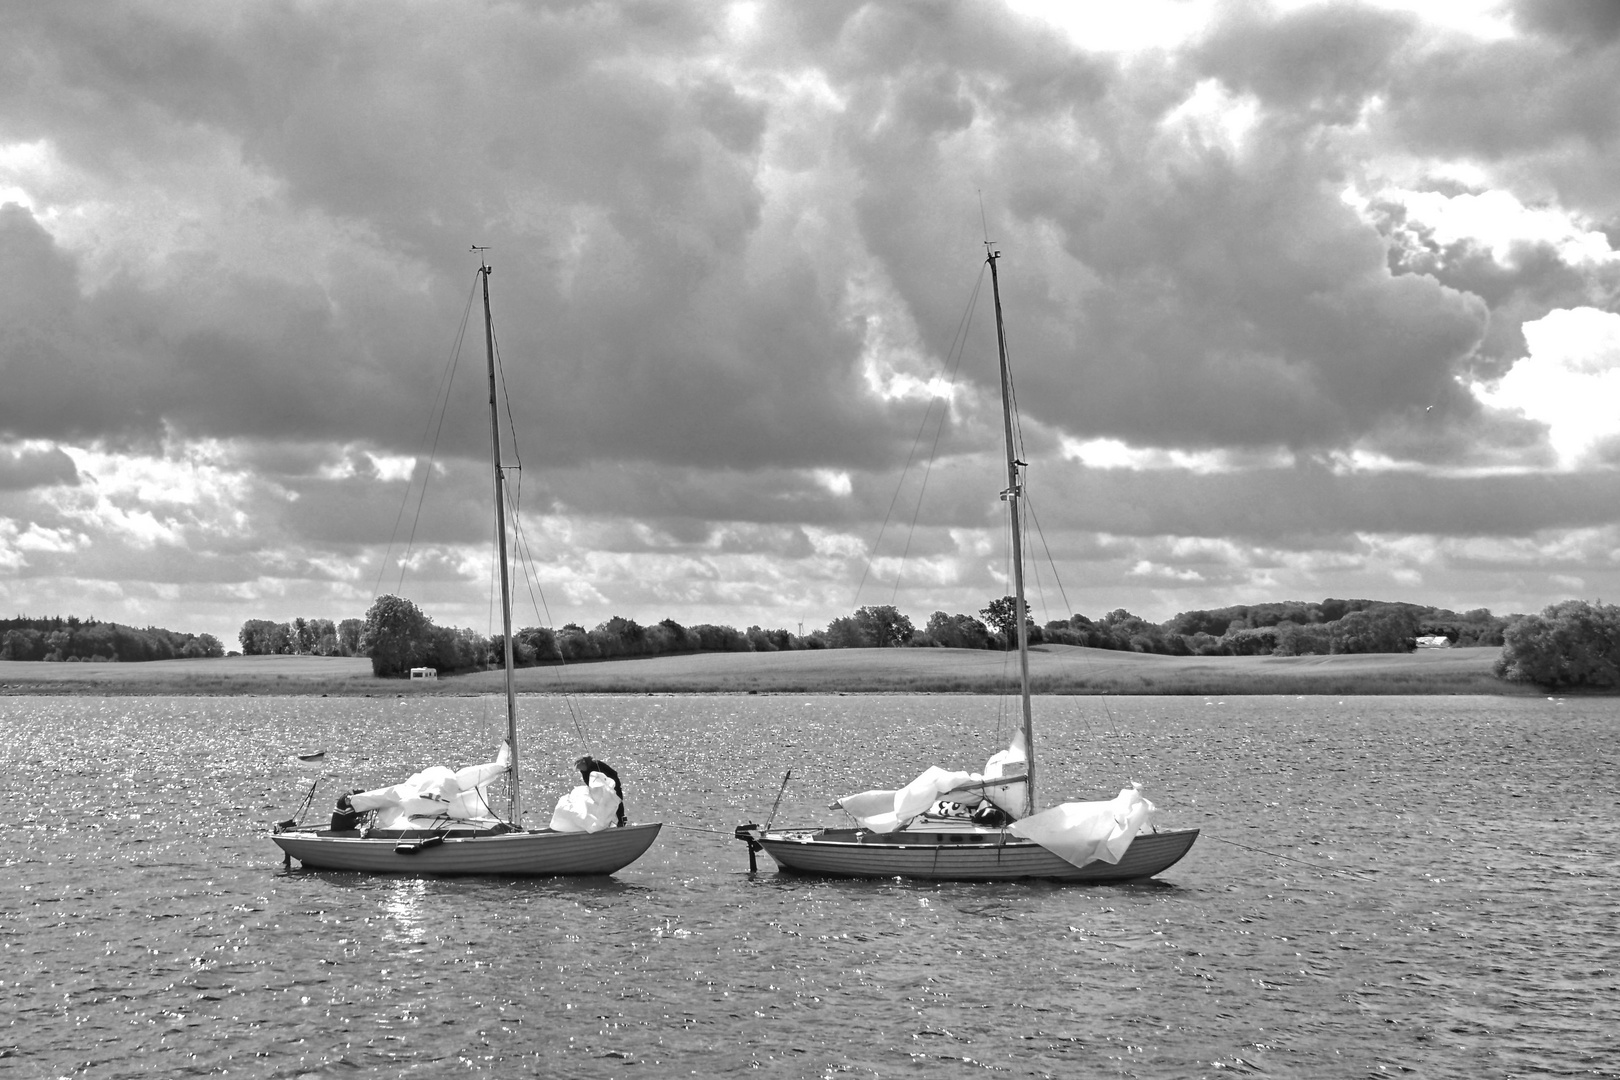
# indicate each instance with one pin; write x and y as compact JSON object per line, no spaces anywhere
{"x":530,"y":131}
{"x":22,"y":468}
{"x":213,"y":354}
{"x":1167,"y":290}
{"x":249,"y":225}
{"x":1543,"y":109}
{"x":1210,"y":296}
{"x":1310,"y":506}
{"x":1579,"y":23}
{"x":1316,"y":66}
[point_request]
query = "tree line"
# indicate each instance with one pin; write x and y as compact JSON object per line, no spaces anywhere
{"x":301,"y":637}
{"x":1572,"y":645}
{"x":397,"y":635}
{"x":1281,"y":629}
{"x":75,"y":640}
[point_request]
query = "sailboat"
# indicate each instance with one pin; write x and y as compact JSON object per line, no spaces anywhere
{"x":440,"y":820}
{"x":961,"y":826}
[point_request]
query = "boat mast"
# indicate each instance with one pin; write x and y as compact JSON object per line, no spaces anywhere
{"x":514,"y":803}
{"x":1012,"y":496}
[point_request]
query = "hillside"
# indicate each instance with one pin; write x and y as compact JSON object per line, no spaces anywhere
{"x":1054,"y":669}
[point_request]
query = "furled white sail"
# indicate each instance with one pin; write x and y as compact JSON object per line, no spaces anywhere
{"x":1083,"y":832}
{"x":885,"y":811}
{"x":437,"y":797}
{"x":1012,"y":761}
{"x":588,"y":808}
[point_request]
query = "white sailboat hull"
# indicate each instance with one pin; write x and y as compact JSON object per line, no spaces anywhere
{"x":957,"y":857}
{"x":534,"y":853}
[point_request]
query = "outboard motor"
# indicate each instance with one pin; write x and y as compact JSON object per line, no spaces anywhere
{"x":749,"y":833}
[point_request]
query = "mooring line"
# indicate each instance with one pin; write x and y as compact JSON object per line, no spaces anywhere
{"x":1290,"y":858}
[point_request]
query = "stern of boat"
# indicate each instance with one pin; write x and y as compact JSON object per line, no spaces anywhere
{"x":750,"y":833}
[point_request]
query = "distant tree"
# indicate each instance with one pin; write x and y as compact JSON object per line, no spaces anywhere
{"x":321,"y":637}
{"x":845,"y":633}
{"x":1059,"y":632}
{"x":881,"y":626}
{"x":538,"y":643}
{"x":396,"y":636}
{"x":1132,"y":633}
{"x":676,"y":637}
{"x":1569,"y":645}
{"x":255,"y":637}
{"x":574,"y":643}
{"x":56,"y":646}
{"x":348,"y":636}
{"x":957,"y":631}
{"x":204,"y":646}
{"x":23,"y":644}
{"x":1002,"y":615}
{"x":1296,"y":640}
{"x":453,"y":649}
{"x":1377,"y":629}
{"x":493,"y":654}
{"x":619,"y":636}
{"x":1260,"y":641}
{"x":1077,"y":630}
{"x":1477,"y":627}
{"x":712,"y":638}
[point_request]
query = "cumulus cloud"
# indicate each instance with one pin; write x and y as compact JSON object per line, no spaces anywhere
{"x":1569,"y":381}
{"x":1275,"y":275}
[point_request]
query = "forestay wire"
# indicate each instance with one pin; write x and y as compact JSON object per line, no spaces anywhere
{"x":957,"y":351}
{"x":521,"y":552}
{"x":429,"y":441}
{"x":435,"y":427}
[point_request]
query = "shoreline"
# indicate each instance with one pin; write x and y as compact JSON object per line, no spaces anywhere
{"x":1054,"y":670}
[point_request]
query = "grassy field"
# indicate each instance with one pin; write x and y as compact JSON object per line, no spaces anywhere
{"x":1054,"y":669}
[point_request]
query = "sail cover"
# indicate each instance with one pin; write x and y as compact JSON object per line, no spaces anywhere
{"x":1084,"y":832}
{"x":885,"y":811}
{"x":437,"y":797}
{"x":589,"y":807}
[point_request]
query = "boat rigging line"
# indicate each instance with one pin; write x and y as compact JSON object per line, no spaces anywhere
{"x":1303,"y":862}
{"x":521,"y":551}
{"x":441,"y":407}
{"x":779,"y":793}
{"x":957,"y":351}
{"x":430,"y":439}
{"x":309,"y":799}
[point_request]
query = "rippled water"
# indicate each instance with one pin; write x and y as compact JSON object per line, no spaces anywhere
{"x":1446,"y":907}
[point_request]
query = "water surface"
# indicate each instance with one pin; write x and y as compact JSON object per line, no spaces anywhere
{"x":1385,"y":886}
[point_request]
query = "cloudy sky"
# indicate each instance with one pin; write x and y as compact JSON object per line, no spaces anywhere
{"x":1304,"y":299}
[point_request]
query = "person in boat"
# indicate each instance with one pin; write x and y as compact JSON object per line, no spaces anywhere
{"x":345,"y":816}
{"x":587,"y":765}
